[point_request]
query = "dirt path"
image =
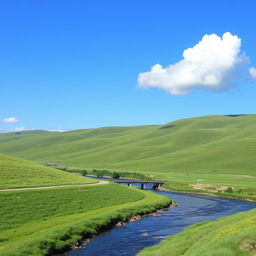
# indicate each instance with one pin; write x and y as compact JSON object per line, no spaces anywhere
{"x":58,"y":186}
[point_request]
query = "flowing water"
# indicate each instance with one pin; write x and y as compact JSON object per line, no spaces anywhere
{"x":133,"y":237}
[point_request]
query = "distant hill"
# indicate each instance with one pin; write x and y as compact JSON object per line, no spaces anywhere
{"x":222,"y":144}
{"x":15,"y":173}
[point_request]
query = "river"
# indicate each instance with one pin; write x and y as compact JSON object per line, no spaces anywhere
{"x":133,"y":237}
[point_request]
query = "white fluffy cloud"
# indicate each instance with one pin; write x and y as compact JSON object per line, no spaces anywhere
{"x":252,"y":72}
{"x":10,"y":120}
{"x":211,"y":64}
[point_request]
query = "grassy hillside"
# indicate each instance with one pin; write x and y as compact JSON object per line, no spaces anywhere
{"x":40,"y":222}
{"x":229,"y":236}
{"x":223,"y":144}
{"x":217,"y":150}
{"x":17,"y":173}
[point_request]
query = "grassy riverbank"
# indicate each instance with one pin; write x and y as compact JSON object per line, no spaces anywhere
{"x":247,"y":193}
{"x":45,"y":221}
{"x":228,"y":236}
{"x":222,"y":185}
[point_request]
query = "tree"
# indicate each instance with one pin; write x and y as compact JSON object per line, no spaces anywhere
{"x":99,"y":174}
{"x":84,"y":172}
{"x":115,"y":175}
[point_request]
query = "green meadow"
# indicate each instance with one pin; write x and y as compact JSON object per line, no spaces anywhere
{"x":41,"y":222}
{"x":234,"y":235}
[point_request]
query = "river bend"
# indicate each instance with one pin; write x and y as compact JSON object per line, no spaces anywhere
{"x":133,"y":237}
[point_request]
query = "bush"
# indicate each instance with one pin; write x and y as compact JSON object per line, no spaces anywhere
{"x":229,"y":190}
{"x":101,"y":173}
{"x":84,"y":172}
{"x":134,"y":175}
{"x":115,"y":175}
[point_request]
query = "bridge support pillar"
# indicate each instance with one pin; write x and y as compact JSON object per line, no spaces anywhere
{"x":156,"y":186}
{"x":143,"y":186}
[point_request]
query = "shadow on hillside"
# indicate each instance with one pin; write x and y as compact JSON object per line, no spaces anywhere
{"x":167,"y":126}
{"x":237,"y":115}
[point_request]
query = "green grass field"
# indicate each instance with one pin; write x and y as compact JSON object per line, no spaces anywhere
{"x":18,"y":173}
{"x":234,"y":235}
{"x":39,"y":222}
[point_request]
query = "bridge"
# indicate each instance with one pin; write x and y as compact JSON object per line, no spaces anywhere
{"x":156,"y":183}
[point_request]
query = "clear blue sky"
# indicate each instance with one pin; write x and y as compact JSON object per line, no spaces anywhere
{"x":74,"y":64}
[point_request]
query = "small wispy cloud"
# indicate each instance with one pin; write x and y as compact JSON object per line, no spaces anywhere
{"x":16,"y":129}
{"x":252,"y":72}
{"x":214,"y":63}
{"x":19,"y":129}
{"x":58,"y":130}
{"x":9,"y":120}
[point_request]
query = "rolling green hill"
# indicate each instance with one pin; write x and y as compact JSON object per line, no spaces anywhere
{"x":16,"y":173}
{"x":225,"y":144}
{"x":211,"y":150}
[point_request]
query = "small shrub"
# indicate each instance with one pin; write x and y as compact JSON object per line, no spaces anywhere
{"x":115,"y":175}
{"x":84,"y":172}
{"x":229,"y":190}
